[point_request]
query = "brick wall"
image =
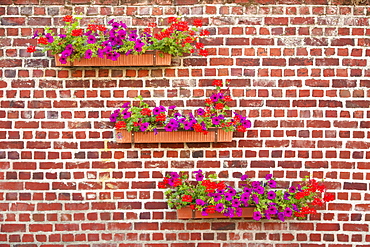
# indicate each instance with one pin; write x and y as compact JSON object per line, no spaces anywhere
{"x":299,"y":72}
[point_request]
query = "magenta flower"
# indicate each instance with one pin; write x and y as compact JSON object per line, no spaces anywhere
{"x":220,"y":207}
{"x":88,"y":54}
{"x":144,"y":127}
{"x":63,"y":60}
{"x":271,"y":195}
{"x":200,"y":202}
{"x":91,"y":39}
{"x":268,"y":176}
{"x":288,"y":212}
{"x":292,"y":189}
{"x":244,"y":177}
{"x":271,"y":183}
{"x":201,"y":111}
{"x":257,"y":215}
{"x":199,"y":177}
{"x":215,"y":121}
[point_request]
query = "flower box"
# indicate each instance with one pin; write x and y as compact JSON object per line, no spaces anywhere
{"x":187,"y":213}
{"x":214,"y":135}
{"x":149,"y":58}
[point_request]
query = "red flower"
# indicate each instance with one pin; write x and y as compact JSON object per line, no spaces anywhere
{"x":146,"y":112}
{"x":120,"y":125}
{"x":187,"y":198}
{"x":199,"y":45}
{"x":208,"y":101}
{"x":204,"y":33}
{"x":197,"y":23}
{"x":77,"y":32}
{"x":101,"y":28}
{"x":227,"y":98}
{"x":42,"y":40}
{"x":217,"y":83}
{"x":67,"y":18}
{"x":241,"y":128}
{"x":160,"y":117}
{"x":172,"y":19}
{"x":31,"y":49}
{"x":161,"y":185}
{"x":329,"y":197}
{"x":219,"y":106}
{"x":152,"y":24}
{"x":92,"y":27}
{"x":197,"y":127}
{"x":203,"y":52}
{"x":318,"y":202}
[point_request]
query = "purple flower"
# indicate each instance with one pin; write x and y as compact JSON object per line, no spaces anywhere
{"x":113,"y":118}
{"x":255,"y":184}
{"x":91,"y":39}
{"x":292,"y":189}
{"x":126,"y":105}
{"x":295,"y":208}
{"x":232,"y":191}
{"x":156,"y":111}
{"x":121,"y":34}
{"x":244,"y":177}
{"x":115,"y":25}
{"x":144,"y":127}
{"x":257,"y":215}
{"x":69,"y":47}
{"x":171,"y":107}
{"x":260,"y":190}
{"x":286,"y":196}
{"x":268,"y":176}
{"x":155,"y":131}
{"x":220,"y":207}
{"x":36,"y":34}
{"x":235,"y":203}
{"x":246,"y":123}
{"x":174,"y":175}
{"x":239,"y":212}
{"x":62,"y":36}
{"x":204,"y":213}
{"x":111,"y":21}
{"x":215,"y":121}
{"x":126,"y":114}
{"x":245,"y":196}
{"x":200,"y":202}
{"x":271,"y":183}
{"x":49,"y":38}
{"x":271,"y":195}
{"x":199,"y":177}
{"x":128,"y":52}
{"x":288,"y":212}
{"x":221,"y":117}
{"x":214,"y":97}
{"x":268,"y":216}
{"x":271,"y":210}
{"x":228,"y":196}
{"x":162,"y":108}
{"x":88,"y":54}
{"x":187,"y":125}
{"x":168,"y":128}
{"x":132,"y":36}
{"x":255,"y":199}
{"x":217,"y":197}
{"x":229,"y":212}
{"x":138,"y":48}
{"x":247,"y":190}
{"x":63,"y":60}
{"x":280,"y":216}
{"x":201,"y":111}
{"x":100,"y":53}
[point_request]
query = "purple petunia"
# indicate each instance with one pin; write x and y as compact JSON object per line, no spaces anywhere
{"x":49,"y":38}
{"x":168,"y":128}
{"x":260,"y":190}
{"x":91,"y":39}
{"x":220,"y":207}
{"x":174,"y":175}
{"x":217,"y":197}
{"x":280,"y":216}
{"x":126,"y":105}
{"x":215,"y":121}
{"x":235,"y":203}
{"x":245,"y":196}
{"x":271,"y":183}
{"x":255,"y":184}
{"x":268,"y":176}
{"x":200,"y":202}
{"x":292,"y":189}
{"x":63,"y":60}
{"x":144,"y":127}
{"x":257,"y":215}
{"x":88,"y":54}
{"x":126,"y":114}
{"x":201,"y":111}
{"x":286,"y":196}
{"x":271,"y":210}
{"x":294,"y":207}
{"x":255,"y":199}
{"x":156,"y":111}
{"x":171,"y":107}
{"x":199,"y":177}
{"x":271,"y":195}
{"x":244,"y":177}
{"x":239,"y":212}
{"x":288,"y":212}
{"x":247,"y":190}
{"x":228,"y":196}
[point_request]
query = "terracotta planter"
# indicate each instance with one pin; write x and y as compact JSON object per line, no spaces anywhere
{"x":214,"y":135}
{"x":149,"y":58}
{"x":188,"y":213}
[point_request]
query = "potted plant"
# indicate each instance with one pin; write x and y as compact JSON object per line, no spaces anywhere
{"x":119,"y":45}
{"x":207,"y":197}
{"x":141,"y":124}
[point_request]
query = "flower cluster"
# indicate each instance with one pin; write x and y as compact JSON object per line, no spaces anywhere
{"x":142,"y":118}
{"x":208,"y":195}
{"x":76,"y":42}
